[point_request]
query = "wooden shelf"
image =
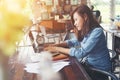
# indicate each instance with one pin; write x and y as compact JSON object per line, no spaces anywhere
{"x":53,"y":25}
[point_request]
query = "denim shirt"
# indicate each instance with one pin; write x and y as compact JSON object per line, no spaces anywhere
{"x":93,"y":47}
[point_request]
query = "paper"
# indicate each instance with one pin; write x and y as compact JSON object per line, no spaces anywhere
{"x":57,"y":66}
{"x":35,"y":67}
{"x":32,"y":68}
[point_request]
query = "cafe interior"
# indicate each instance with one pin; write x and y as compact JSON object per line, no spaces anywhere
{"x":27,"y":26}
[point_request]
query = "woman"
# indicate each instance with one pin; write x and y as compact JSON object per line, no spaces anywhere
{"x":89,"y":43}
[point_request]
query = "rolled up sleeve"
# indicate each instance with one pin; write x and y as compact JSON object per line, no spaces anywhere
{"x":88,"y":45}
{"x":71,"y":42}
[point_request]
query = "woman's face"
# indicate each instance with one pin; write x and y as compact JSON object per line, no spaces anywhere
{"x":78,"y":21}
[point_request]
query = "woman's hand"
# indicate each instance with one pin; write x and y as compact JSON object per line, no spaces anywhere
{"x":49,"y":45}
{"x":54,"y":49}
{"x":51,"y":49}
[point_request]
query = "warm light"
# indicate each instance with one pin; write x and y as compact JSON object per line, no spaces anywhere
{"x":12,"y":22}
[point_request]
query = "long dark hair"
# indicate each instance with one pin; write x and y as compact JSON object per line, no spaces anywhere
{"x":88,"y":24}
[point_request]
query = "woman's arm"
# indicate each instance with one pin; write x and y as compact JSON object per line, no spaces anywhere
{"x":58,"y":49}
{"x":87,"y":46}
{"x":62,"y":50}
{"x":63,"y":44}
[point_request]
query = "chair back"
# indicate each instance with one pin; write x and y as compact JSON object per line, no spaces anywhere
{"x":109,"y":74}
{"x":97,"y":15}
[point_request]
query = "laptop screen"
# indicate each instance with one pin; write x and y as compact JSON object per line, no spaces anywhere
{"x":32,"y":41}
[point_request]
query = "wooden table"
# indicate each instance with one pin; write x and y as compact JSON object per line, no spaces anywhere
{"x":74,"y":71}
